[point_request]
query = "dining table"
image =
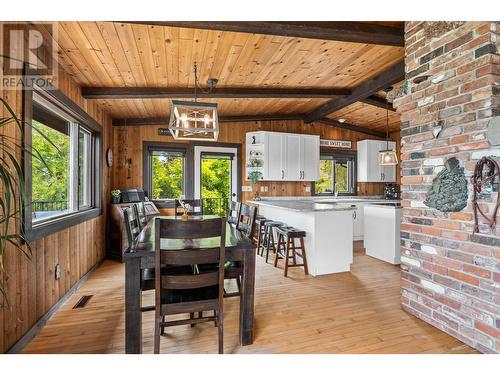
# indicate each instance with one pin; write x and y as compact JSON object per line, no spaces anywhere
{"x":141,"y":256}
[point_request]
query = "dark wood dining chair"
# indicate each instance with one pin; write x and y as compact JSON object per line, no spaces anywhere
{"x":196,"y":207}
{"x":201,"y":243}
{"x":133,"y":228}
{"x":141,"y":210}
{"x":245,"y":225}
{"x":132,"y":223}
{"x":246,"y":220}
{"x":233,"y":213}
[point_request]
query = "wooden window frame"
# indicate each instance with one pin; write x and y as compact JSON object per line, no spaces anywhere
{"x":62,"y":102}
{"x":188,"y":149}
{"x":340,"y":154}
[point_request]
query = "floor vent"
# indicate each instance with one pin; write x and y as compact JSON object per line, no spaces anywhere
{"x":82,"y":302}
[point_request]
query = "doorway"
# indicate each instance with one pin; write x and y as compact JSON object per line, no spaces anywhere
{"x":215,"y":178}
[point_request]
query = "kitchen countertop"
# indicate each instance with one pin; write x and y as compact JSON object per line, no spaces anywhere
{"x":320,"y":204}
{"x":304,"y":206}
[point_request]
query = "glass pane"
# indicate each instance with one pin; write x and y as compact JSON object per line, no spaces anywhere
{"x":84,"y":170}
{"x":167,"y":175}
{"x":50,"y":177}
{"x":342,"y":176}
{"x":324,"y":185}
{"x":215,"y":185}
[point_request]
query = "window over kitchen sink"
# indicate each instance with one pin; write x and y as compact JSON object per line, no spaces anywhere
{"x":336,"y":174}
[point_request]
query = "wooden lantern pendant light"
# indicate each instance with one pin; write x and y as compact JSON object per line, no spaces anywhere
{"x":194,"y":120}
{"x":387,"y":156}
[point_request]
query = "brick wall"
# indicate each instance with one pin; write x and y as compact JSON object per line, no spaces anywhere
{"x":450,"y":278}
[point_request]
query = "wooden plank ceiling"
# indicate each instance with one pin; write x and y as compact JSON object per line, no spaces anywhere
{"x":111,"y":54}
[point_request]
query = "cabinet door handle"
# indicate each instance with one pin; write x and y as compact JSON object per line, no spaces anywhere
{"x":354,"y":214}
{"x":282,"y":174}
{"x":302,"y":174}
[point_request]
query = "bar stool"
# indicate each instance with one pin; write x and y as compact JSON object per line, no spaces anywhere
{"x":286,"y":244}
{"x":259,"y":231}
{"x":268,"y":241}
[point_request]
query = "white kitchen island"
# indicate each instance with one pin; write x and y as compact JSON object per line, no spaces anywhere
{"x":328,"y":227}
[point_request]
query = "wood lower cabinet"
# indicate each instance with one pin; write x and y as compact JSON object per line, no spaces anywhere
{"x":116,"y":236}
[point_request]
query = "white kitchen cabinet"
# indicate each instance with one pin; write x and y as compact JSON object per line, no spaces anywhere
{"x":309,"y":155}
{"x":285,"y":156}
{"x":274,"y":157}
{"x":382,"y":237}
{"x":369,"y":169}
{"x":357,"y":219}
{"x":294,"y":161}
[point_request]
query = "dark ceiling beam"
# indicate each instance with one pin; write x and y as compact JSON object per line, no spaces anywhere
{"x":247,"y":118}
{"x":344,"y":125}
{"x":165,"y":120}
{"x":369,"y":87}
{"x":377,"y":101}
{"x":356,"y":32}
{"x":217,"y":93}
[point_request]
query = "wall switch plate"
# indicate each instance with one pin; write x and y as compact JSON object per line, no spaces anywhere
{"x":308,"y":189}
{"x":57,"y":272}
{"x":246,"y":188}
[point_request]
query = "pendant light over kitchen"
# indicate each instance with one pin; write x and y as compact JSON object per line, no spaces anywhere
{"x":387,"y":156}
{"x":195,"y":121}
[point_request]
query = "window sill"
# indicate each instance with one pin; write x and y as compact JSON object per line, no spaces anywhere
{"x":56,"y":225}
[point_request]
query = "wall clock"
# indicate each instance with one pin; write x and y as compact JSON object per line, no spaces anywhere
{"x":109,"y":157}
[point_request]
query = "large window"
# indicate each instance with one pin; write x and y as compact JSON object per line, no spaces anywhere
{"x":63,"y":165}
{"x":336,"y":174}
{"x":173,"y":170}
{"x":167,"y":174}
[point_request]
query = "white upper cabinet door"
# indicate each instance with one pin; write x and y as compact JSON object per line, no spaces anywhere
{"x":309,"y":151}
{"x":374,"y":168}
{"x":274,"y":165}
{"x":369,"y":169}
{"x":293,"y":167}
{"x":362,"y":161}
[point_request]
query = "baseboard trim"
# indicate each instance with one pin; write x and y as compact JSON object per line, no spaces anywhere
{"x":37,"y":327}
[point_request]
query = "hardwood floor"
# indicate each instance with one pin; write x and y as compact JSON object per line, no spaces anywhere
{"x":356,"y":312}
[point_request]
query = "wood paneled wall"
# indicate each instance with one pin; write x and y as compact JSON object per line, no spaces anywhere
{"x":31,"y":284}
{"x":127,"y":143}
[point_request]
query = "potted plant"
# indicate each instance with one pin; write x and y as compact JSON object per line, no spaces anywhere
{"x":255,"y":163}
{"x":116,"y":196}
{"x":186,"y":207}
{"x":254,"y":174}
{"x":13,"y":198}
{"x":254,"y":177}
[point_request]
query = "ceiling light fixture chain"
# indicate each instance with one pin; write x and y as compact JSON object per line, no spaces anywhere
{"x":211,"y":82}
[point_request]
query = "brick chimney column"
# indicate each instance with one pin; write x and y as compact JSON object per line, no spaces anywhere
{"x":450,"y":277}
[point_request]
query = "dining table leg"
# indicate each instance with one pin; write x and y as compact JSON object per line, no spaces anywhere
{"x":133,"y":316}
{"x":247,"y":298}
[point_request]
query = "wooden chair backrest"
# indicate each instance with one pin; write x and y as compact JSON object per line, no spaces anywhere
{"x":132,"y":223}
{"x":141,"y":209}
{"x":213,"y":229}
{"x":246,"y":219}
{"x":233,"y":213}
{"x":196,"y":207}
